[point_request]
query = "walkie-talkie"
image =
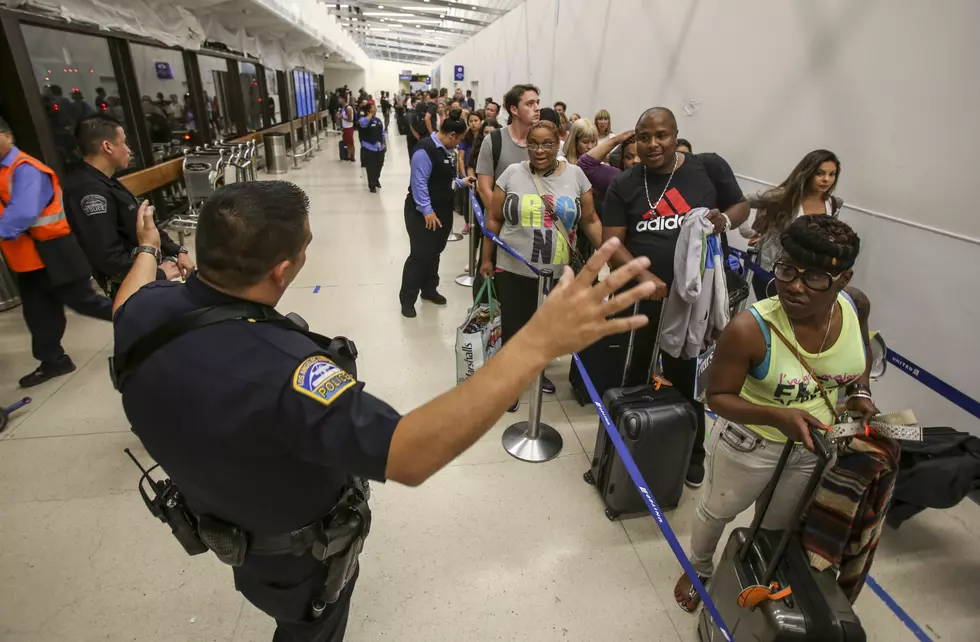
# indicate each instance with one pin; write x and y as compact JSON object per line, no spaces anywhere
{"x":167,"y":505}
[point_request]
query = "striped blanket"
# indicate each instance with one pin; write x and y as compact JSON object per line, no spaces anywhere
{"x":843,"y":524}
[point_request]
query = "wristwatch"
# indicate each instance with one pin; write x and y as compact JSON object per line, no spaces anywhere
{"x":149,"y":250}
{"x":182,"y":250}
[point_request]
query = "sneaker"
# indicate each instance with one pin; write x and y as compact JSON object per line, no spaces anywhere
{"x":408,"y":311}
{"x":695,"y":475}
{"x":513,"y":408}
{"x":466,"y":229}
{"x":45,"y":373}
{"x":547,"y":386}
{"x":434,"y":297}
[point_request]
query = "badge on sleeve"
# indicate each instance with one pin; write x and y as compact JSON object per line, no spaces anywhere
{"x":94,"y":204}
{"x":320,"y":378}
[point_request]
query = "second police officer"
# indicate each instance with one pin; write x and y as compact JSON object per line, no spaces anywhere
{"x":102,"y":211}
{"x":277,"y":431}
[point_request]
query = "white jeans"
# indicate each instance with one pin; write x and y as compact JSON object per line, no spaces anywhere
{"x":739,"y":464}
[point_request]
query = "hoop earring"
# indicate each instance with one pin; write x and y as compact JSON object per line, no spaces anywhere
{"x":772,"y":281}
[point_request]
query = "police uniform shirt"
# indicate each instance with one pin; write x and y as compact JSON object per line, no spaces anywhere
{"x":102,"y":214}
{"x":265,"y":429}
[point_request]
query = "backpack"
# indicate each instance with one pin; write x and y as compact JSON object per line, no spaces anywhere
{"x":497,"y":141}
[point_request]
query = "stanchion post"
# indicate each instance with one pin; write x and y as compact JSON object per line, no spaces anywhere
{"x":533,"y":440}
{"x":466,"y":280}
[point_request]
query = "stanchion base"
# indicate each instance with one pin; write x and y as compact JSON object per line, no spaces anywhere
{"x":518,"y":445}
{"x":455,"y":236}
{"x":465,"y":280}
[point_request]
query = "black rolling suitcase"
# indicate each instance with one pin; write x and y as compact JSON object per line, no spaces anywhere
{"x":343,"y":151}
{"x":815,"y":609}
{"x":605,"y":361}
{"x":658,"y":426}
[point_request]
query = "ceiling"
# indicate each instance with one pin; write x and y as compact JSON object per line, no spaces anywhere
{"x":415,"y":31}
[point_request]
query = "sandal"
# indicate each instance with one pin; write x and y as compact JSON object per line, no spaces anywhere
{"x":686,"y":595}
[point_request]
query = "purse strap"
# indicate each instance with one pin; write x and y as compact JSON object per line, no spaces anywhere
{"x":549,"y":207}
{"x":813,"y":375}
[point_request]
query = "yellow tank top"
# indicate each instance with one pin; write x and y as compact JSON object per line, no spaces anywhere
{"x":781,"y":381}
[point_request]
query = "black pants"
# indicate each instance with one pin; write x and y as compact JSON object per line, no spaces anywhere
{"x":680,"y":372}
{"x":373,"y":162}
{"x":421,"y":273}
{"x":518,"y":296}
{"x":44,"y":311}
{"x":284,"y":587}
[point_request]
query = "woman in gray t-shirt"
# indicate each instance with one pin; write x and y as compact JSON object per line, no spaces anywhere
{"x":525,"y":220}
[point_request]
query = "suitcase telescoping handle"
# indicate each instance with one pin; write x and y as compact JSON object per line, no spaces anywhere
{"x":823,"y":453}
{"x":656,"y":345}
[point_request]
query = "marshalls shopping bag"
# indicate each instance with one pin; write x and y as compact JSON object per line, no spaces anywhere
{"x":479,"y":337}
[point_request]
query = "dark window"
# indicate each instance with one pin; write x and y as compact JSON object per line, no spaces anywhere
{"x":165,"y":99}
{"x":77,"y":79}
{"x":214,"y":79}
{"x":271,"y":99}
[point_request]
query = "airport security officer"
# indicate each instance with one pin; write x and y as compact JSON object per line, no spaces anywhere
{"x":39,"y":248}
{"x":102,"y":212}
{"x":277,"y":431}
{"x":429,"y":211}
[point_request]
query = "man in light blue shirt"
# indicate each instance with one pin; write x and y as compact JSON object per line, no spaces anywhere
{"x":429,"y":212}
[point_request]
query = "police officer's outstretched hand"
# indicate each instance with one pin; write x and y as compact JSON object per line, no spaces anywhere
{"x":146,"y":227}
{"x":577,"y":313}
{"x":432,"y":221}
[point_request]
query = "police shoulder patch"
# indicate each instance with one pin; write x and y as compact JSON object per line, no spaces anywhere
{"x":319,"y":378}
{"x":94,"y":204}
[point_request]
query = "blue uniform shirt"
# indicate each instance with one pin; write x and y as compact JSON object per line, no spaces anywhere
{"x":421,"y":170}
{"x":30,"y":192}
{"x":264,"y":430}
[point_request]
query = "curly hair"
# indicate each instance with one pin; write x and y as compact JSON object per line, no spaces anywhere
{"x":822,"y":242}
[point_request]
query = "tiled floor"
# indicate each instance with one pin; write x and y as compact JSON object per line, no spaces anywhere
{"x":489,"y":549}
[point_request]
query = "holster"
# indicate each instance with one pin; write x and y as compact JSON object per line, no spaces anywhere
{"x":341,"y":539}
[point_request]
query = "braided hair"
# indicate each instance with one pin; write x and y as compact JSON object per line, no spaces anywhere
{"x":823,"y":242}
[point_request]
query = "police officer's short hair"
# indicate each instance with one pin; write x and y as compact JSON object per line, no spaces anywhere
{"x":246,"y":229}
{"x":92,"y":131}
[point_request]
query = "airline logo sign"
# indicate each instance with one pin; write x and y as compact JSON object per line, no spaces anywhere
{"x":669,"y":216}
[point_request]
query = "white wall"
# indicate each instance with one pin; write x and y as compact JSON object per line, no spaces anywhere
{"x":890,"y":86}
{"x":378,"y":75}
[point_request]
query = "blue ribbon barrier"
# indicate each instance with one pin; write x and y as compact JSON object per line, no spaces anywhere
{"x":917,"y":372}
{"x":648,"y":499}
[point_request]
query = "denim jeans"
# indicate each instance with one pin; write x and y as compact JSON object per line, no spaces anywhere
{"x":739,"y":464}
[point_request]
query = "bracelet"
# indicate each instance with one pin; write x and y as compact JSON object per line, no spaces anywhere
{"x":859,"y":395}
{"x":851,"y":388}
{"x":728,"y":222}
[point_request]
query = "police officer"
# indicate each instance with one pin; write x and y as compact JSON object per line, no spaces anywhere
{"x":276,"y":422}
{"x":429,"y":211}
{"x":102,"y":212}
{"x":40,"y":250}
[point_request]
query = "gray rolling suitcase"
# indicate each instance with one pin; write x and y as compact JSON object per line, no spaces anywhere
{"x":816,"y":609}
{"x":658,"y":427}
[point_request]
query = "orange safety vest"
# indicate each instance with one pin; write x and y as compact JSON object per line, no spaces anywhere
{"x":20,"y":253}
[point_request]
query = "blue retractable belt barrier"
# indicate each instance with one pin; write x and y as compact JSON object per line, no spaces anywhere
{"x":649,"y":500}
{"x":940,"y":386}
{"x":918,"y":373}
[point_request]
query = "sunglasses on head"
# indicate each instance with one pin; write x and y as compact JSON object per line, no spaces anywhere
{"x":816,"y":280}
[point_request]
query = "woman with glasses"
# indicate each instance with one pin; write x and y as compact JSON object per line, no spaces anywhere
{"x":538,"y":206}
{"x":764,"y":394}
{"x":809,"y":189}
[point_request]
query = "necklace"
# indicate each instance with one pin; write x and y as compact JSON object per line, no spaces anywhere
{"x":646,"y":188}
{"x":799,"y":356}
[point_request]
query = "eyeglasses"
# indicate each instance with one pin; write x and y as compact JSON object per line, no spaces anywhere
{"x":816,"y":280}
{"x":550,"y":145}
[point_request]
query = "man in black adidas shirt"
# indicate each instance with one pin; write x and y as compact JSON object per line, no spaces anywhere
{"x":644,"y":207}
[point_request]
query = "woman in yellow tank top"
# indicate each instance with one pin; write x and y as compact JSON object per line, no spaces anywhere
{"x":764,"y":395}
